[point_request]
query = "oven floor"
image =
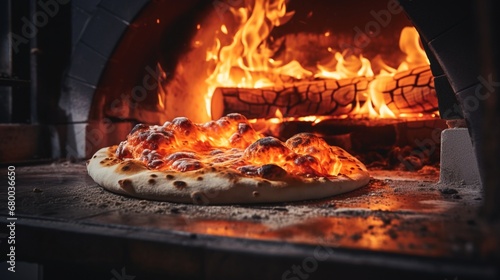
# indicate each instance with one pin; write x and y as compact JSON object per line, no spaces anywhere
{"x":398,"y":215}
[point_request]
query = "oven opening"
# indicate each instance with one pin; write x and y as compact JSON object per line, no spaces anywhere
{"x":341,"y":71}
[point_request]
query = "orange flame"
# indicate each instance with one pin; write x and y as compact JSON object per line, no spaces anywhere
{"x":230,"y":142}
{"x":239,"y":63}
{"x":241,"y":56}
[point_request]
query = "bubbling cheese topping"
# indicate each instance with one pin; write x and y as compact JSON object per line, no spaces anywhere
{"x":230,"y":142}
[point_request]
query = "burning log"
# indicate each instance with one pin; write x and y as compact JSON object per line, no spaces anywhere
{"x":320,"y":97}
{"x":409,"y":91}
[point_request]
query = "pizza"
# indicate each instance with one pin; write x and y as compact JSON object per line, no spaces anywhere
{"x":224,"y":161}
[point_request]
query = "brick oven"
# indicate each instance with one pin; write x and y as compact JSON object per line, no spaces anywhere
{"x":409,"y":87}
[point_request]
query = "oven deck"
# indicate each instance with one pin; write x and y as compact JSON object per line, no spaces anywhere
{"x":399,"y":216}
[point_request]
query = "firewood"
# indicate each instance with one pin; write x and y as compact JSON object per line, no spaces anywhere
{"x":410,"y":91}
{"x":406,"y":92}
{"x":319,"y":97}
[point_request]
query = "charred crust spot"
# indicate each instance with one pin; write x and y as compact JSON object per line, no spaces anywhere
{"x":271,"y":171}
{"x":153,"y":175}
{"x":301,"y":139}
{"x":126,"y":184}
{"x":182,"y":122}
{"x":213,"y":169}
{"x":236,"y":117}
{"x":155,"y":137}
{"x":129,"y":167}
{"x":223,"y":122}
{"x":156,"y":163}
{"x":94,"y":156}
{"x":295,"y":142}
{"x":243,"y":128}
{"x":198,"y":198}
{"x":199,"y":178}
{"x":184,"y":125}
{"x":180,"y":184}
{"x":109,"y":161}
{"x":188,"y":164}
{"x":268,"y":146}
{"x":269,"y":142}
{"x":255,"y":194}
{"x":152,"y":181}
{"x":249,"y":170}
{"x":170,"y":177}
{"x":138,"y":127}
{"x":180,"y":155}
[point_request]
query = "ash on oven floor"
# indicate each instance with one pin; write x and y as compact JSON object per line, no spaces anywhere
{"x":396,"y":212}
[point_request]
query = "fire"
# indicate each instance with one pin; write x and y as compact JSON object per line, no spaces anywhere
{"x":278,"y":117}
{"x":247,"y":60}
{"x":229,"y":142}
{"x":346,"y":66}
{"x":242,"y":56}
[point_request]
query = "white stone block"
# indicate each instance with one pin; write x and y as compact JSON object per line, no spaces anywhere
{"x":458,"y":160}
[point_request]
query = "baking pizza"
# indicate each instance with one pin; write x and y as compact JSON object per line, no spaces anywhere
{"x":223,"y":162}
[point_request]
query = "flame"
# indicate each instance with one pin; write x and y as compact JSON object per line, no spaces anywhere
{"x":248,"y":60}
{"x":223,"y":28}
{"x":230,"y":142}
{"x":240,"y":53}
{"x":409,"y":43}
{"x":278,"y":118}
{"x":346,"y":66}
{"x":239,"y":63}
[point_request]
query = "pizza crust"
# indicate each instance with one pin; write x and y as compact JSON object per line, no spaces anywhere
{"x":217,"y":185}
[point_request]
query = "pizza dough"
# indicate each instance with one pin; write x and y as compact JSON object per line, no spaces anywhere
{"x":224,"y":162}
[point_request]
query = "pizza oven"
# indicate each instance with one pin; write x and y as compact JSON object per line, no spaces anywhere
{"x":408,"y":87}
